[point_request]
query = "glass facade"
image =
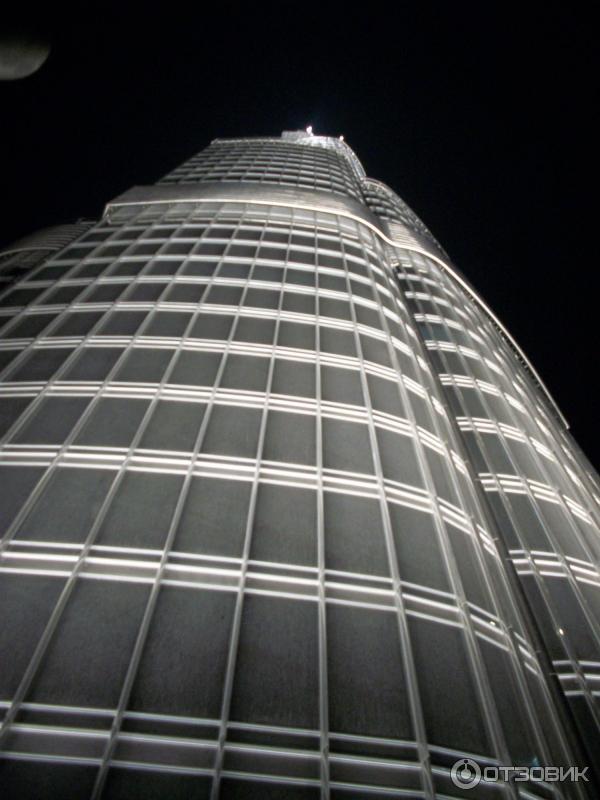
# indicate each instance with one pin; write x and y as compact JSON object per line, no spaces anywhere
{"x":287,"y":513}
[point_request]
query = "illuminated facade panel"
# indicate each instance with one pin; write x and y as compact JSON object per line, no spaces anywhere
{"x":287,"y":512}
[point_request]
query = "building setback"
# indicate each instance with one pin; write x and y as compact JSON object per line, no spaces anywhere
{"x":286,"y":511}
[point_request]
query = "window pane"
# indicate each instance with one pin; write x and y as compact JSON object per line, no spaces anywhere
{"x":17,"y":483}
{"x":185,"y":293}
{"x":164,"y":267}
{"x":341,"y":386}
{"x":255,"y":330}
{"x":6,"y":356}
{"x":187,"y":643}
{"x":212,"y":326}
{"x":337,"y":309}
{"x":224,"y":295}
{"x":145,"y":292}
{"x":168,"y":323}
{"x":144,"y":784}
{"x":293,"y":378}
{"x":375,"y":350}
{"x":276,"y":680}
{"x":197,"y":268}
{"x":105,"y":293}
{"x":195,"y":369}
{"x":144,"y":365}
{"x":247,"y":373}
{"x":11,"y":409}
{"x":337,"y":342}
{"x":509,"y":704}
{"x":77,"y":324}
{"x":122,"y":323}
{"x":446,"y":687}
{"x":93,"y":364}
{"x":354,"y":536}
{"x":234,"y":270}
{"x":399,"y":458}
{"x":233,"y":789}
{"x":420,"y":558}
{"x":346,"y":446}
{"x":29,"y":325}
{"x":301,"y":303}
{"x":385,"y":396}
{"x":293,"y":334}
{"x":41,"y":780}
{"x":41,"y":364}
{"x":441,"y":474}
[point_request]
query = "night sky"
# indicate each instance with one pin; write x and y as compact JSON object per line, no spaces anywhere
{"x":479,"y":117}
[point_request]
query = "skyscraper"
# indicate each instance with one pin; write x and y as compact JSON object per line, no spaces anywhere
{"x":287,"y":512}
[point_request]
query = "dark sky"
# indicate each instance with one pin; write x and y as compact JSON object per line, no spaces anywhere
{"x":479,"y":115}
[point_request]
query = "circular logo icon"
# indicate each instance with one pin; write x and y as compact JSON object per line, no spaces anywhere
{"x":465,"y":773}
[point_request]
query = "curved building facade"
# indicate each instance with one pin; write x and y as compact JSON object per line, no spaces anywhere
{"x":287,"y":513}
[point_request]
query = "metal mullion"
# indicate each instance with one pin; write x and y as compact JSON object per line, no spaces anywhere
{"x":60,"y":605}
{"x":323,"y":671}
{"x":154,"y":592}
{"x":237,"y":620}
{"x":410,"y":668}
{"x":513,"y":651}
{"x":479,"y":674}
{"x":521,"y":616}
